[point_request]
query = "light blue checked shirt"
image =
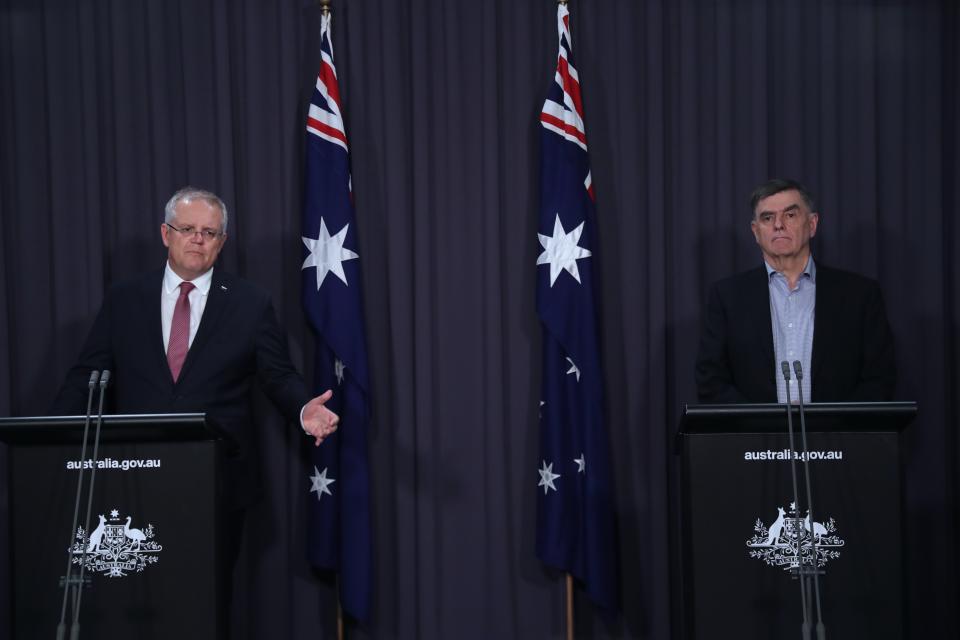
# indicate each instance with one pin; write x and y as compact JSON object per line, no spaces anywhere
{"x":791,"y":317}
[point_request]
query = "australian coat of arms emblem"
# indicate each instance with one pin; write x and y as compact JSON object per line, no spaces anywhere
{"x":114,"y":548}
{"x":791,"y":540}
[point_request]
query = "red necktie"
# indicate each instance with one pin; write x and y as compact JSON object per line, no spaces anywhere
{"x":180,"y":331}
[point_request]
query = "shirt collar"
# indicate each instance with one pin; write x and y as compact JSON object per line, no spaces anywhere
{"x":171,"y":281}
{"x":810,"y":271}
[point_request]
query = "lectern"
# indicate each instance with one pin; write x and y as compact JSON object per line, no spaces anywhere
{"x":150,"y":549}
{"x":742,"y":532}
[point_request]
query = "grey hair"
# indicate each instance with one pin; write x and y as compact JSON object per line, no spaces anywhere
{"x":187,"y":194}
{"x":775,"y":186}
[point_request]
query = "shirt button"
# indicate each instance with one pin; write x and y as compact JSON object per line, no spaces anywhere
{"x":790,"y":325}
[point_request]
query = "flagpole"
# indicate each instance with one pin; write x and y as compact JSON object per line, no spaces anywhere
{"x":339,"y":612}
{"x":325,"y":11}
{"x":569,"y":577}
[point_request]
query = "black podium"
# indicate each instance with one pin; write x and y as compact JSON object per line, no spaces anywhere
{"x":742,"y":534}
{"x":150,"y":549}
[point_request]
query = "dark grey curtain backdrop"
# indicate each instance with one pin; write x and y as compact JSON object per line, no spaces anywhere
{"x":107,"y":107}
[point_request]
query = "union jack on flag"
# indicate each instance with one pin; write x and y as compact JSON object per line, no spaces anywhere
{"x":575,"y":502}
{"x":339,"y":533}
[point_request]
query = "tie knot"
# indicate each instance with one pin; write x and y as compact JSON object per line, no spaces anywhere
{"x":186,"y":288}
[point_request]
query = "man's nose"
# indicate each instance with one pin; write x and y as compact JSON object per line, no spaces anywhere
{"x":779,"y":221}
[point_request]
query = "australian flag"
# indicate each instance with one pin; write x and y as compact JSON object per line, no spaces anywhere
{"x":575,"y":503}
{"x":339,"y":535}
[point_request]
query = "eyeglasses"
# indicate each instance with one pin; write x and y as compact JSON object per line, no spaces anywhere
{"x":190,"y":232}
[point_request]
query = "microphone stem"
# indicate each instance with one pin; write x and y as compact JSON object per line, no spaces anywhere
{"x":814,"y":560}
{"x":805,"y":627}
{"x":91,"y":385}
{"x":104,"y":379}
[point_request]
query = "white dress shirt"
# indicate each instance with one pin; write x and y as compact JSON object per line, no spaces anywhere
{"x":169,"y":293}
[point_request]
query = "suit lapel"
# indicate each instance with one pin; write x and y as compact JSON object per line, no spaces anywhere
{"x":150,"y":295}
{"x":823,"y":305}
{"x":216,"y":303}
{"x":759,"y":301}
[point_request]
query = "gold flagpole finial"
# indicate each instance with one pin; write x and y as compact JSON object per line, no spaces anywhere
{"x":325,"y":6}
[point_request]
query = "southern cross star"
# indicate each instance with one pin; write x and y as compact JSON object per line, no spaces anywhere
{"x":581,"y":463}
{"x":327,"y":253}
{"x":561,"y":251}
{"x":547,"y":476}
{"x":321,"y":483}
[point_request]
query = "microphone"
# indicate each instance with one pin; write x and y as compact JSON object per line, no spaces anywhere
{"x":814,"y":559}
{"x":785,"y":368}
{"x":67,"y":583}
{"x":805,"y":625}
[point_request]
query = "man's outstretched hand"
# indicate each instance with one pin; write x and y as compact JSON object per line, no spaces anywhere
{"x":318,"y":421}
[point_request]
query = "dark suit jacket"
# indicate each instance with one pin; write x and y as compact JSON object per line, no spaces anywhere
{"x":852,"y":356}
{"x":238,"y":340}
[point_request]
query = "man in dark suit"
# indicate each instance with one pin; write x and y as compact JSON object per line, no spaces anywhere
{"x":791,"y":309}
{"x":190,"y":338}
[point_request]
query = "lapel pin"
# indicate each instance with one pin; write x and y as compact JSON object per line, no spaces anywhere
{"x":223,"y":287}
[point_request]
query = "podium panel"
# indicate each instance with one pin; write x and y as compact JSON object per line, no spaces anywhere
{"x":743,"y":533}
{"x":150,"y":550}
